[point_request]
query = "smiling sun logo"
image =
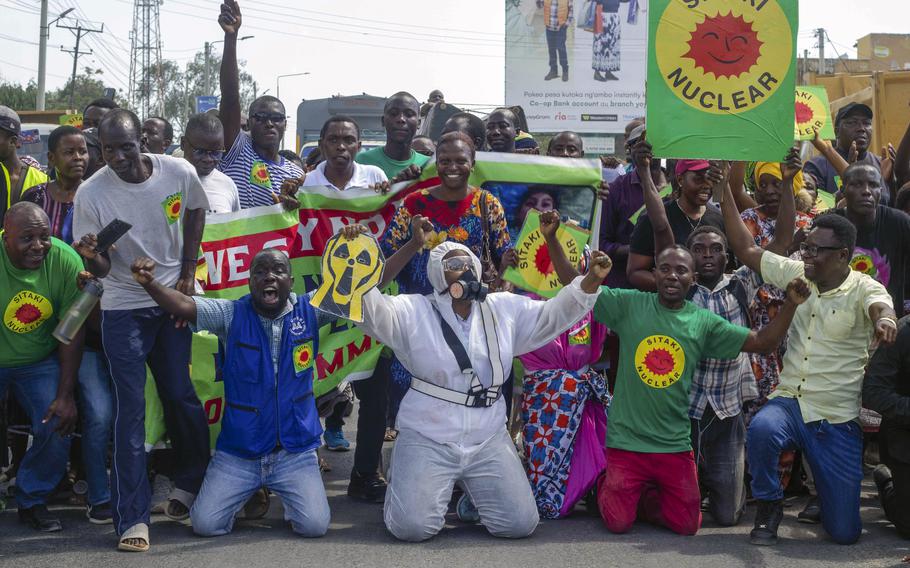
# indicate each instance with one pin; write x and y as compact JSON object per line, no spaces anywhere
{"x":724,"y":56}
{"x":303,"y":356}
{"x":26,"y":311}
{"x":726,"y":46}
{"x":659,"y":361}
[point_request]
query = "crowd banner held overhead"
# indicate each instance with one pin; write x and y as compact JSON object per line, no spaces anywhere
{"x":350,"y":269}
{"x":535,"y":272}
{"x":601,"y":51}
{"x":812,"y":113}
{"x":71,"y":120}
{"x":231,"y":240}
{"x":722,"y":78}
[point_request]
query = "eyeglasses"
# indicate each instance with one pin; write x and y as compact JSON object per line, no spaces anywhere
{"x":456,"y":264}
{"x":812,"y":250}
{"x":200,"y":153}
{"x":273,"y":117}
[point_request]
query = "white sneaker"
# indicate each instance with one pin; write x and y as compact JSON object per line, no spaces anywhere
{"x":161,"y":489}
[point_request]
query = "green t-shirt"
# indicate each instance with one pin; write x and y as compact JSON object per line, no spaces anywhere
{"x":377,"y":157}
{"x":32,"y":302}
{"x":659,"y":349}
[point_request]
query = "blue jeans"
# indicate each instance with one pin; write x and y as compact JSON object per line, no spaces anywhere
{"x":834,"y":452}
{"x":42,"y":468}
{"x":231,"y":480}
{"x":131,"y":339}
{"x":96,"y":414}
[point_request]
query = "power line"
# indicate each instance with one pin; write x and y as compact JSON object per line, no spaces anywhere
{"x":24,"y":68}
{"x":79,"y":31}
{"x":844,"y":63}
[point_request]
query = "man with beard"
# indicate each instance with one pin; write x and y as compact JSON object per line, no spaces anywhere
{"x":252,"y":161}
{"x":163,"y":200}
{"x":853,"y":127}
{"x":815,"y":408}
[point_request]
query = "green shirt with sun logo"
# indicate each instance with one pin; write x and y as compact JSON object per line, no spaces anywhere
{"x":32,"y":301}
{"x":659,"y":349}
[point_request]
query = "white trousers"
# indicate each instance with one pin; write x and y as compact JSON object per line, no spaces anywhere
{"x":423,"y":473}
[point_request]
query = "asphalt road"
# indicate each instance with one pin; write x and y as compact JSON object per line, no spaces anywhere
{"x":357,"y":537}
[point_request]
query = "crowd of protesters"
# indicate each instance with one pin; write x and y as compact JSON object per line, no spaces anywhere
{"x":726,"y":339}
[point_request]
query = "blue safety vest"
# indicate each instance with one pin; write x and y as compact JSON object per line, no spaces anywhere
{"x":264,"y":411}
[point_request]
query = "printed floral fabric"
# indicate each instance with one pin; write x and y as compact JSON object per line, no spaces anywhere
{"x":764,"y":308}
{"x":606,"y":44}
{"x":452,"y":221}
{"x":551,"y":408}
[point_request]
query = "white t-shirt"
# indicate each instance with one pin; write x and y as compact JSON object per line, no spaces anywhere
{"x":364,"y":176}
{"x":155,"y":208}
{"x":221,"y":192}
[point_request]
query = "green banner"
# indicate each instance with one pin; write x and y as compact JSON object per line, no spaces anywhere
{"x":232,"y":239}
{"x":813,"y":113}
{"x":535,"y":272}
{"x":721,"y":78}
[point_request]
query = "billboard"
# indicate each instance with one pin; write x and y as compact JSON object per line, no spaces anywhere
{"x":577,"y":64}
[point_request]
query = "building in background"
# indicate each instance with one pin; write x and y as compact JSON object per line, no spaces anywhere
{"x":885,"y":52}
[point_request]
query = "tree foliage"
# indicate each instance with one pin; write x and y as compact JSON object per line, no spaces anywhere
{"x":89,"y":85}
{"x":182,"y":84}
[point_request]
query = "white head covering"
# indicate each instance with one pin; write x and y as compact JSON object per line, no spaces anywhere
{"x":436,"y":273}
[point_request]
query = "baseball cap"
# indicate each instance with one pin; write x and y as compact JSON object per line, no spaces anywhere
{"x":853,"y":108}
{"x":9,"y":120}
{"x":636,"y":133}
{"x":683,"y":166}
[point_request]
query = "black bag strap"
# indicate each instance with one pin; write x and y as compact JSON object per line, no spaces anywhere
{"x":455,"y":344}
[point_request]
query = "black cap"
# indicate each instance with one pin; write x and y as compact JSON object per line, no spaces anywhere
{"x":9,"y":120}
{"x":852,"y":108}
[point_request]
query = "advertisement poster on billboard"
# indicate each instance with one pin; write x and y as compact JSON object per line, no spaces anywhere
{"x":577,"y":64}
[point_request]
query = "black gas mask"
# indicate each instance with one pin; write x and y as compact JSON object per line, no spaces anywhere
{"x":468,"y":288}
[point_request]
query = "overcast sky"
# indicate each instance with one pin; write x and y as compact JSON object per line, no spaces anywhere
{"x":350,"y":46}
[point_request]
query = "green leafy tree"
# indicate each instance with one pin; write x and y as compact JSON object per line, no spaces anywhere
{"x":183,"y":85}
{"x":89,"y":85}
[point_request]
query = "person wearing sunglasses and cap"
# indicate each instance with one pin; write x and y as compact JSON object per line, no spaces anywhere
{"x":458,"y":342}
{"x":853,"y":126}
{"x":203,"y":146}
{"x":17,"y":175}
{"x":252,"y":160}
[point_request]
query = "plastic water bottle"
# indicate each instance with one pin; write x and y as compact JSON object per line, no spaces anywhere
{"x":79,"y":310}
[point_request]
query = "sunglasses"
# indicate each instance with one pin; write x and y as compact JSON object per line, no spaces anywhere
{"x":457,"y":264}
{"x":273,"y":117}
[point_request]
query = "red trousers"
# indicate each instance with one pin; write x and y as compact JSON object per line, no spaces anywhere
{"x":659,"y":488}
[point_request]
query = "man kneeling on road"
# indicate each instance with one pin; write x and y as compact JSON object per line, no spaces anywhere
{"x":271,"y":428}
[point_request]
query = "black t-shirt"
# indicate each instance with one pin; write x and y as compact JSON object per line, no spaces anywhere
{"x":883,"y":251}
{"x":642,"y":241}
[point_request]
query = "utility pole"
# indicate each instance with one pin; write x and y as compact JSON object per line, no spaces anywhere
{"x":804,"y":77}
{"x":821,"y":50}
{"x":45,"y":34}
{"x":206,"y":80}
{"x":79,"y":31}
